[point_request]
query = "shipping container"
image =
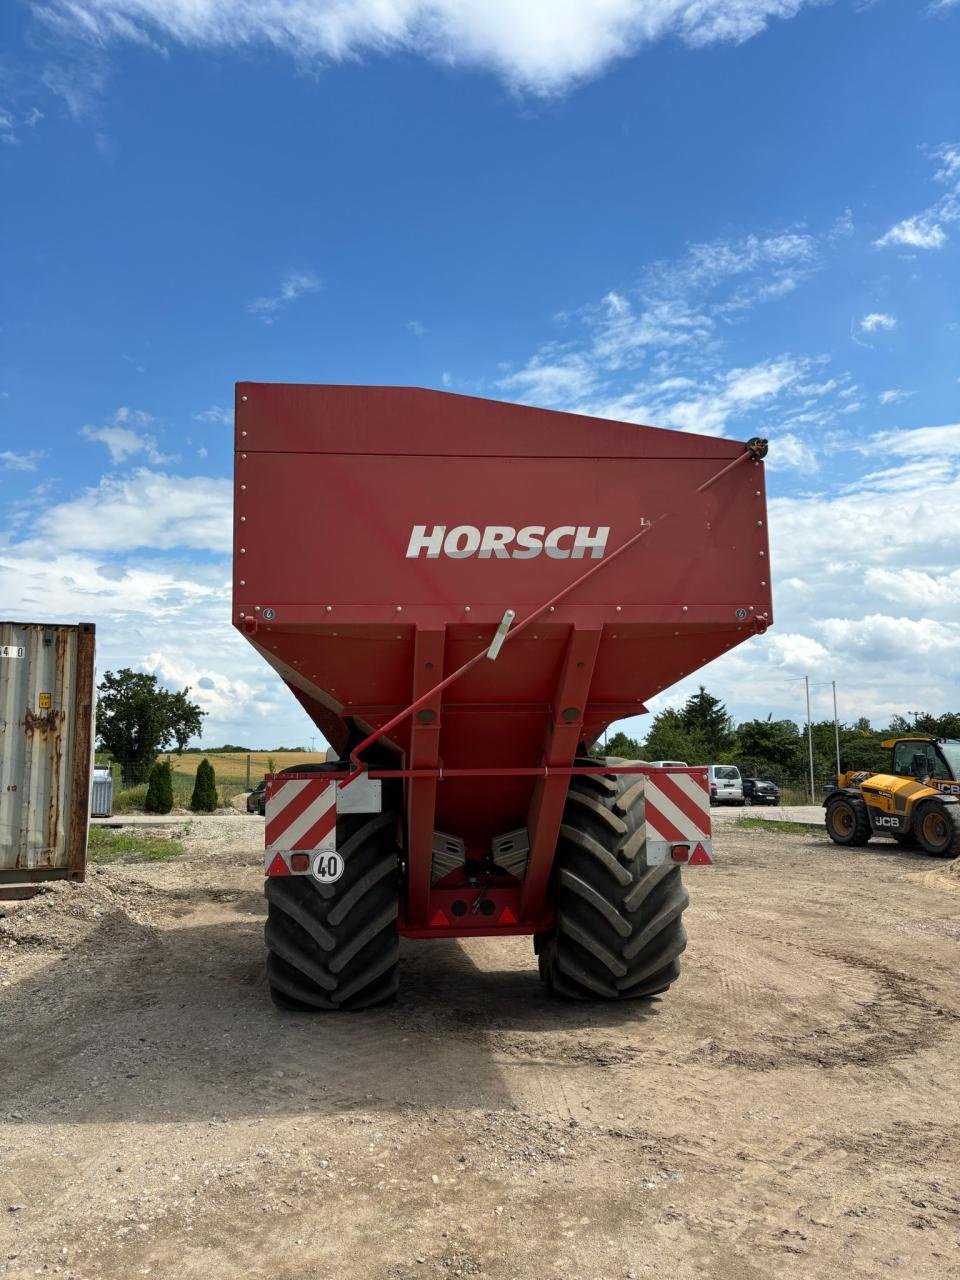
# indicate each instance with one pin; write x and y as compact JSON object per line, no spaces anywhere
{"x":46,"y":749}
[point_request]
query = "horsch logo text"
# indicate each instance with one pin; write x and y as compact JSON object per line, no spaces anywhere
{"x":503,"y":542}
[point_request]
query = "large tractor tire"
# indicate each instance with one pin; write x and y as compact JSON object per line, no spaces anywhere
{"x":619,"y":933}
{"x":848,"y":822}
{"x":937,"y":829}
{"x":335,"y":946}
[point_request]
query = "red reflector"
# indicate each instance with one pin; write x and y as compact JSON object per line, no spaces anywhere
{"x":679,"y":852}
{"x":278,"y":867}
{"x":701,"y":857}
{"x":507,"y":917}
{"x":299,"y":862}
{"x":438,"y":920}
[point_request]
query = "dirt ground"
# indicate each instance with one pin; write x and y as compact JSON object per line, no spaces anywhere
{"x":790,"y":1108}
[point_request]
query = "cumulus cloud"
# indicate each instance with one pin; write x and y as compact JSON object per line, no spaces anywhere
{"x":541,"y":46}
{"x":877,"y":320}
{"x":145,"y":509}
{"x":294,"y":286}
{"x":123,"y":440}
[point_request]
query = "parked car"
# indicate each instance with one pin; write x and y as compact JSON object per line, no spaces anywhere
{"x":667,"y":764}
{"x":257,"y":799}
{"x":726,"y":785}
{"x":760,"y":791}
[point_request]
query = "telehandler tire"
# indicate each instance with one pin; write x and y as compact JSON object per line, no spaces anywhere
{"x":619,"y":933}
{"x":335,"y":946}
{"x":937,"y":829}
{"x":848,"y":822}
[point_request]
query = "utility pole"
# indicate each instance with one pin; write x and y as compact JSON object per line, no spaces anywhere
{"x":836,"y":725}
{"x":813,"y":797}
{"x":916,"y":715}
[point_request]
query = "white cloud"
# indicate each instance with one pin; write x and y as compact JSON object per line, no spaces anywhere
{"x":673,"y":321}
{"x":789,"y":451}
{"x":542,"y":46}
{"x":896,"y":395}
{"x":8,"y":132}
{"x":416,"y":328}
{"x":294,"y":286}
{"x":926,"y":230}
{"x":122,"y":440}
{"x":11,"y":461}
{"x":877,"y":320}
{"x":215,"y":414}
{"x":145,"y":509}
{"x":918,"y":232}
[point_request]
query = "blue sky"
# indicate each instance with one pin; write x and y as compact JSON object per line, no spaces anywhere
{"x":738,"y":217}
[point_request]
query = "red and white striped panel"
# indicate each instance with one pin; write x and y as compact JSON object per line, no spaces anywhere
{"x":678,"y":812}
{"x":301,"y":815}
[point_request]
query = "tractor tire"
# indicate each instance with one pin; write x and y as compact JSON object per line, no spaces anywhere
{"x":937,"y":829}
{"x":619,"y":933}
{"x":848,"y":822}
{"x":335,"y":946}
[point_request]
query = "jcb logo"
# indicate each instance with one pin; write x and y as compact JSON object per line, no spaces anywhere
{"x":948,"y":788}
{"x":883,"y":820}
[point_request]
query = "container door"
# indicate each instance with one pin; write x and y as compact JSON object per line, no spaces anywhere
{"x":37,"y":693}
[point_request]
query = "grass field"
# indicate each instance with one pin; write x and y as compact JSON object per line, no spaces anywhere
{"x":231,"y":770}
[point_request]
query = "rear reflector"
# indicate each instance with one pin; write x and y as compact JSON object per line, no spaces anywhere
{"x":438,"y":920}
{"x":278,"y":867}
{"x":507,"y":917}
{"x":679,"y":852}
{"x":701,"y":857}
{"x":299,"y":862}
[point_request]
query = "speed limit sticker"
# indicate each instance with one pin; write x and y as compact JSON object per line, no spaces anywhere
{"x":328,"y":867}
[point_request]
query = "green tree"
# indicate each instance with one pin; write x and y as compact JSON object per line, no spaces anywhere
{"x":137,"y":718}
{"x":621,"y":745}
{"x":670,"y":739}
{"x":160,"y":788}
{"x":769,"y":746}
{"x":204,"y":798}
{"x":706,"y":720}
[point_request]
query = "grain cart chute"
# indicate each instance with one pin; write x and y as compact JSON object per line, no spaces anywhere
{"x":463,"y":595}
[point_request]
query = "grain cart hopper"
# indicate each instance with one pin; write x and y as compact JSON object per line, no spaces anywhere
{"x":463,"y":595}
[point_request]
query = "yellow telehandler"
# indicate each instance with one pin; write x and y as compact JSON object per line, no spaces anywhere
{"x":917,"y":802}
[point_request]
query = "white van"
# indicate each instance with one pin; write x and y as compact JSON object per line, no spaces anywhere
{"x":667,"y":764}
{"x":726,"y":785}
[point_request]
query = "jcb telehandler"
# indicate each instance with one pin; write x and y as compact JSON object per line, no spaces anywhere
{"x":918,"y":802}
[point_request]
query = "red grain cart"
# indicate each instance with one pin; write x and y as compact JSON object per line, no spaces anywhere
{"x":463,"y":595}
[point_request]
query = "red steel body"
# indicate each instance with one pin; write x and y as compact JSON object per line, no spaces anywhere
{"x":652,"y":561}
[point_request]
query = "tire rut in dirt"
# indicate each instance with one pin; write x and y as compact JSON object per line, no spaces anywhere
{"x":619,"y":933}
{"x":335,"y":946}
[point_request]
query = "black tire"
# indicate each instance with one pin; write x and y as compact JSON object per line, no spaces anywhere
{"x":619,"y":933}
{"x":335,"y":946}
{"x":937,"y":829}
{"x":848,"y":822}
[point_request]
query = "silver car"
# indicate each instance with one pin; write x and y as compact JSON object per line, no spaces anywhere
{"x":726,"y":785}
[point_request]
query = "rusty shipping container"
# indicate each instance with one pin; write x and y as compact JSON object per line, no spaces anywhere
{"x":46,"y":749}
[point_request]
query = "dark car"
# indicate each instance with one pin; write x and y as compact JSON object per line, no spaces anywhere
{"x":257,"y":799}
{"x":760,"y":791}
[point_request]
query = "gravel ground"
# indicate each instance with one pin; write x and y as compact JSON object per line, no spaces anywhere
{"x":786,"y":1110}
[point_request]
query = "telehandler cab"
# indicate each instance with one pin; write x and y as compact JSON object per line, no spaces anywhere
{"x":918,"y":802}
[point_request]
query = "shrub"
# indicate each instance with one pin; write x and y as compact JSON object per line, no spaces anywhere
{"x":204,"y":798}
{"x":159,"y":789}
